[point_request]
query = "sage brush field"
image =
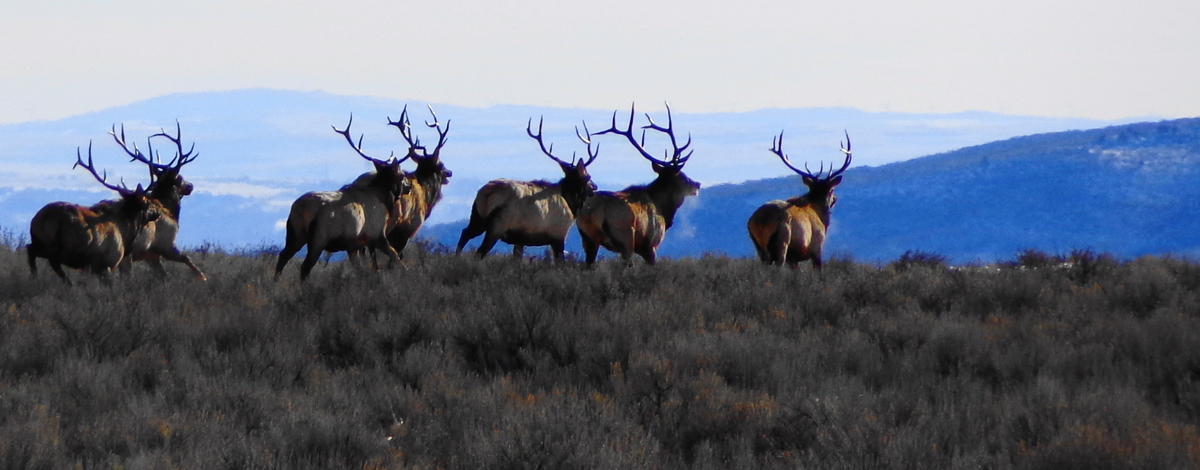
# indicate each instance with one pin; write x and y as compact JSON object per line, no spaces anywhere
{"x":451,"y":362}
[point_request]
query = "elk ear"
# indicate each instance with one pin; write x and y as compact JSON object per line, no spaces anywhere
{"x":657,"y":168}
{"x":835,"y":181}
{"x":808,"y":180}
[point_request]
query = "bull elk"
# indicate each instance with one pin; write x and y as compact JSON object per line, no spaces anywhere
{"x":795,"y":230}
{"x":414,"y":207}
{"x":357,"y":216}
{"x":635,"y":219}
{"x":97,"y":237}
{"x":532,"y":213}
{"x":167,"y":188}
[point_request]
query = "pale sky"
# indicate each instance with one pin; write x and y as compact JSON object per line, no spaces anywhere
{"x":1096,"y":58}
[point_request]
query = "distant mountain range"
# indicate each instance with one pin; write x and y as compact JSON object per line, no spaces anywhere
{"x":1123,"y":189}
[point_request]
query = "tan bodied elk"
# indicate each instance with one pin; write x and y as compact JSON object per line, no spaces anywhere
{"x":167,"y":188}
{"x":795,"y":230}
{"x":97,"y":237}
{"x":635,"y":219}
{"x":427,"y":180}
{"x":532,"y":213}
{"x":355,"y":217}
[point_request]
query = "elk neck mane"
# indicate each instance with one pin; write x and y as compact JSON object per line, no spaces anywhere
{"x":431,"y":188}
{"x":169,"y":198}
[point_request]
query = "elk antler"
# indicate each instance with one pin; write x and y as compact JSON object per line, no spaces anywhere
{"x":676,"y":157}
{"x":358,"y":147}
{"x":91,"y":168}
{"x":777,"y":149}
{"x":575,"y":162}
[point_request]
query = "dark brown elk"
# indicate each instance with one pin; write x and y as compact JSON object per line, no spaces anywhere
{"x":635,"y":219}
{"x":427,"y":180}
{"x":96,"y":237}
{"x":795,"y":230}
{"x":167,"y":188}
{"x":532,"y":213}
{"x":355,"y":217}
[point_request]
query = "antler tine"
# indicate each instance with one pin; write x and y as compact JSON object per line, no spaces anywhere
{"x":358,"y":148}
{"x":849,"y":156}
{"x":435,"y":119}
{"x":548,"y":151}
{"x":438,"y":127}
{"x":777,"y":149}
{"x":591,"y":154}
{"x":91,"y":168}
{"x":628,"y":133}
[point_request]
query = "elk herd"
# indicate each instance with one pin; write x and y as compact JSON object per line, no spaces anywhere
{"x":381,"y":210}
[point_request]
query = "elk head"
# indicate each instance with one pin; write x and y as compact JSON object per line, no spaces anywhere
{"x":387,"y":172}
{"x":577,"y":183}
{"x":429,"y":164}
{"x":820,"y":187}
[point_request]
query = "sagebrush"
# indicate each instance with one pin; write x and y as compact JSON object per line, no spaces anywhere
{"x":708,"y":363}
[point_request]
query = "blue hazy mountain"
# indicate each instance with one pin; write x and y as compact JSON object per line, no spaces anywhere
{"x":260,"y":149}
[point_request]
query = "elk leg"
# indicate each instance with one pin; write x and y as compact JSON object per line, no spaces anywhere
{"x":474,"y":229}
{"x":398,"y":241}
{"x":777,"y":247}
{"x":59,"y":271}
{"x":626,"y":249}
{"x":489,"y":241}
{"x":32,"y":254}
{"x":354,"y":258}
{"x":649,"y":254}
{"x":375,"y":260}
{"x":518,"y":251}
{"x":284,"y":256}
{"x":590,"y":248}
{"x":178,"y":257}
{"x":101,"y":272}
{"x":557,"y":247}
{"x":815,"y":256}
{"x":383,"y":245}
{"x":763,"y":255}
{"x":125,"y":266}
{"x":310,"y":259}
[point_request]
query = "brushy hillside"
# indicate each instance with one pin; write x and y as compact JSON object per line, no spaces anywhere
{"x":711,"y":362}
